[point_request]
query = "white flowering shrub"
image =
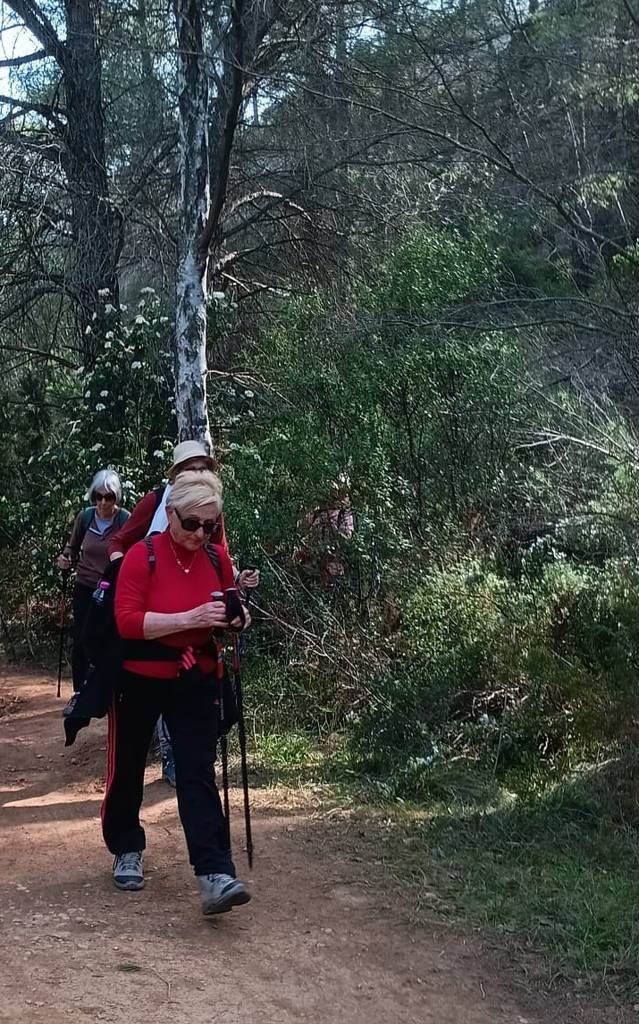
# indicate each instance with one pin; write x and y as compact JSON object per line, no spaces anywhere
{"x":117,"y":414}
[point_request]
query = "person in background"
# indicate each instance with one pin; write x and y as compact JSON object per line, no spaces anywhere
{"x":164,"y":611}
{"x":324,"y":529}
{"x":150,"y":516}
{"x":87,"y":551}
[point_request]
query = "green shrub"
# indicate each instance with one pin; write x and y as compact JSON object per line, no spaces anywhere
{"x":517,"y":678}
{"x":117,"y":414}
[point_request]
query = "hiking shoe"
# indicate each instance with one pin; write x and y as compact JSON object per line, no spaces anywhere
{"x":221,"y":892}
{"x":168,"y":770}
{"x":128,"y":871}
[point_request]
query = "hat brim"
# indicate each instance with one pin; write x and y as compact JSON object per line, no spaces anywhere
{"x":209,"y":462}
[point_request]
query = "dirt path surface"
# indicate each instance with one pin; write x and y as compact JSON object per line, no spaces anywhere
{"x":319,"y":943}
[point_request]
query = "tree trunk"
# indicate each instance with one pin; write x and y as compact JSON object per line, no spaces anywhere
{"x":97,"y":225}
{"x":194,"y":200}
{"x":97,"y":228}
{"x":206,"y":143}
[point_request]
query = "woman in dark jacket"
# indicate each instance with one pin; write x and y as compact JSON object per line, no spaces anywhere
{"x":166,"y":612}
{"x":87,"y":550}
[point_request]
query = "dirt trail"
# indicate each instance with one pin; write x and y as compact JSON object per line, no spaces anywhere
{"x":316,"y":945}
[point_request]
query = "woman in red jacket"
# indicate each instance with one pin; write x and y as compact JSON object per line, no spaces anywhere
{"x":164,"y":610}
{"x":150,"y":516}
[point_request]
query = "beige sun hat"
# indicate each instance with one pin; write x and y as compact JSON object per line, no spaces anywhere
{"x":186,"y":450}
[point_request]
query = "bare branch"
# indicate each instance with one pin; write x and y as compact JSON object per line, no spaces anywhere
{"x":38,"y":352}
{"x":631,"y":14}
{"x":28,"y":58}
{"x":39,"y":25}
{"x":43,"y":109}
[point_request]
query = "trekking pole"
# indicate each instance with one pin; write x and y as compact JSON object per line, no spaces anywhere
{"x":241,"y":648}
{"x":65,"y":579}
{"x":217,"y":595}
{"x":242,"y":738}
{"x":247,"y":600}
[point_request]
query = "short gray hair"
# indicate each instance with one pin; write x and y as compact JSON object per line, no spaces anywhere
{"x":108,"y":481}
{"x":195,"y":488}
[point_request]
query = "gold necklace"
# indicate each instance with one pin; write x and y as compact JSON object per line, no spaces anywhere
{"x":177,"y":559}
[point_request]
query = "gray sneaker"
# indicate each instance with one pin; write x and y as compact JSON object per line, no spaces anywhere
{"x":221,"y":892}
{"x":128,"y":870}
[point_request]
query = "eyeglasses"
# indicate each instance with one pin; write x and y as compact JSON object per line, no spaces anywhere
{"x":99,"y":496}
{"x":191,"y":524}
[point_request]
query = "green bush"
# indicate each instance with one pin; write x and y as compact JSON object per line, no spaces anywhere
{"x":117,"y":414}
{"x":281,"y":697}
{"x":518,"y":678}
{"x":482,"y":621}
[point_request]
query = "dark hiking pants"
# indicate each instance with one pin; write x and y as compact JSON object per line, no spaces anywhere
{"x":79,"y":660}
{"x":191,"y":718}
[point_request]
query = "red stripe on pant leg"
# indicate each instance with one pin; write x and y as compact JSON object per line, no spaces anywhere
{"x":111,"y":745}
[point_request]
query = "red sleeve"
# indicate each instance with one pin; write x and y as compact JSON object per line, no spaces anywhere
{"x":136,"y":526}
{"x":131,"y":593}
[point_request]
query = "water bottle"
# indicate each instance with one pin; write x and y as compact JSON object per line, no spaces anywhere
{"x":100,"y":591}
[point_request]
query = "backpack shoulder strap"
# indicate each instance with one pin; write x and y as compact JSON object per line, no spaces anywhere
{"x":122,"y":517}
{"x":159,"y":494}
{"x":85,"y":523}
{"x":87,"y":517}
{"x":150,"y":552}
{"x":213,"y":556}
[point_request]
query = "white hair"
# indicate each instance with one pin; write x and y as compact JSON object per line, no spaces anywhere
{"x":106,"y":480}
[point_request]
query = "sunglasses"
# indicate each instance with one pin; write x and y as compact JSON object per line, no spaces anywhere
{"x":99,"y":496}
{"x":191,"y":524}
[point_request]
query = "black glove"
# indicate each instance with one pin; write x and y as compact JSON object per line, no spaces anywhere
{"x":110,"y":574}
